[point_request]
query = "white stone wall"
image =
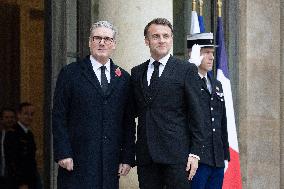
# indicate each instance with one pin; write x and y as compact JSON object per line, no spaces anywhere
{"x":259,"y":93}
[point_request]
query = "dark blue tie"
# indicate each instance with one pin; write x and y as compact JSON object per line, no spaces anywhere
{"x":155,"y":74}
{"x":104,"y":82}
{"x":204,"y":80}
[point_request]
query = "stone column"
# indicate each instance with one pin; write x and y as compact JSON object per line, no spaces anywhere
{"x":130,"y":17}
{"x":259,"y":93}
{"x":282,"y":94}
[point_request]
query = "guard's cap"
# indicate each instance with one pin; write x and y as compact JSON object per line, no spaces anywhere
{"x":201,"y":39}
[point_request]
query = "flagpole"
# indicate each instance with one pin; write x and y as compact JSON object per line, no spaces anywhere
{"x":219,"y":4}
{"x":201,"y":7}
{"x":232,"y":175}
{"x":193,"y":5}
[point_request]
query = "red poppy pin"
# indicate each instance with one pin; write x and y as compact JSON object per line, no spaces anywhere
{"x":117,"y":72}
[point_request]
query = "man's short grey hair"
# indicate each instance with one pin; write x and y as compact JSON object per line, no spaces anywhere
{"x":105,"y":24}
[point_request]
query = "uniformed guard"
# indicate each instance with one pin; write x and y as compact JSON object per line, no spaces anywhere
{"x":210,"y":172}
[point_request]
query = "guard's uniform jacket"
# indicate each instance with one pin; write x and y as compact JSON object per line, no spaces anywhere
{"x":216,"y":146}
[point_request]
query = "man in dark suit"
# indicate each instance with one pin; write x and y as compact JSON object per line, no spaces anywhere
{"x":93,"y":129}
{"x":21,"y":149}
{"x":210,"y":172}
{"x":7,"y":122}
{"x":169,"y":129}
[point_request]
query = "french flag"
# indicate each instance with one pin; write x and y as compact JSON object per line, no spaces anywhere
{"x":232,"y":178}
{"x":201,"y":24}
{"x":194,"y":26}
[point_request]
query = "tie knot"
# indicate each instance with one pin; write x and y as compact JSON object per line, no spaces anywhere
{"x":103,"y":68}
{"x":204,"y":80}
{"x":156,"y":64}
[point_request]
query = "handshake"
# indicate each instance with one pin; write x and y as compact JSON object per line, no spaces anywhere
{"x":195,"y":57}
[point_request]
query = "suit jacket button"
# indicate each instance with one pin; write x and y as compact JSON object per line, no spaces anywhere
{"x":214,"y":130}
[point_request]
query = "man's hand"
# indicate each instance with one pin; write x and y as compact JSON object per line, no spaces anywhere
{"x":195,"y":57}
{"x":123,"y":169}
{"x":66,"y":163}
{"x":192,"y":165}
{"x":226,"y":165}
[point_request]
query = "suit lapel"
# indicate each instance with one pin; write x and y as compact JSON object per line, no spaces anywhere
{"x":88,"y":72}
{"x":142,"y":76}
{"x":156,"y":86}
{"x":213,"y":85}
{"x":168,"y":70}
{"x":114,"y":78}
{"x":21,"y":130}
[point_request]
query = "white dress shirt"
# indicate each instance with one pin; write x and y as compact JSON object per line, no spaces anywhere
{"x":97,"y":68}
{"x":150,"y":70}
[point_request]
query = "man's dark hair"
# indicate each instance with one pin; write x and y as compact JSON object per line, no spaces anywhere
{"x":6,"y":109}
{"x":22,"y":105}
{"x":158,"y":21}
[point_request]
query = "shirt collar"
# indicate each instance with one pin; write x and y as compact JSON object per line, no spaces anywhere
{"x":163,"y":60}
{"x":96,"y":65}
{"x":201,"y":76}
{"x":23,"y":127}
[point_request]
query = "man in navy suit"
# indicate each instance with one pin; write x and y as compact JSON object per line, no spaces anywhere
{"x":210,"y":172}
{"x":169,"y":131}
{"x":93,"y":129}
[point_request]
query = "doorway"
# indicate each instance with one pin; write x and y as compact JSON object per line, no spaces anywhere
{"x":22,"y":62}
{"x":10,"y":55}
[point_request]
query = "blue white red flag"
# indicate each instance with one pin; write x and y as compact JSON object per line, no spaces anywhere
{"x":232,"y":178}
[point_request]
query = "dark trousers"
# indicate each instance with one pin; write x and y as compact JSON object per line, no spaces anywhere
{"x":208,"y":177}
{"x":163,"y":176}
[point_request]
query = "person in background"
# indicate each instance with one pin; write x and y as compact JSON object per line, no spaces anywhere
{"x":21,"y":149}
{"x":7,"y":122}
{"x":210,"y":172}
{"x":8,"y":118}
